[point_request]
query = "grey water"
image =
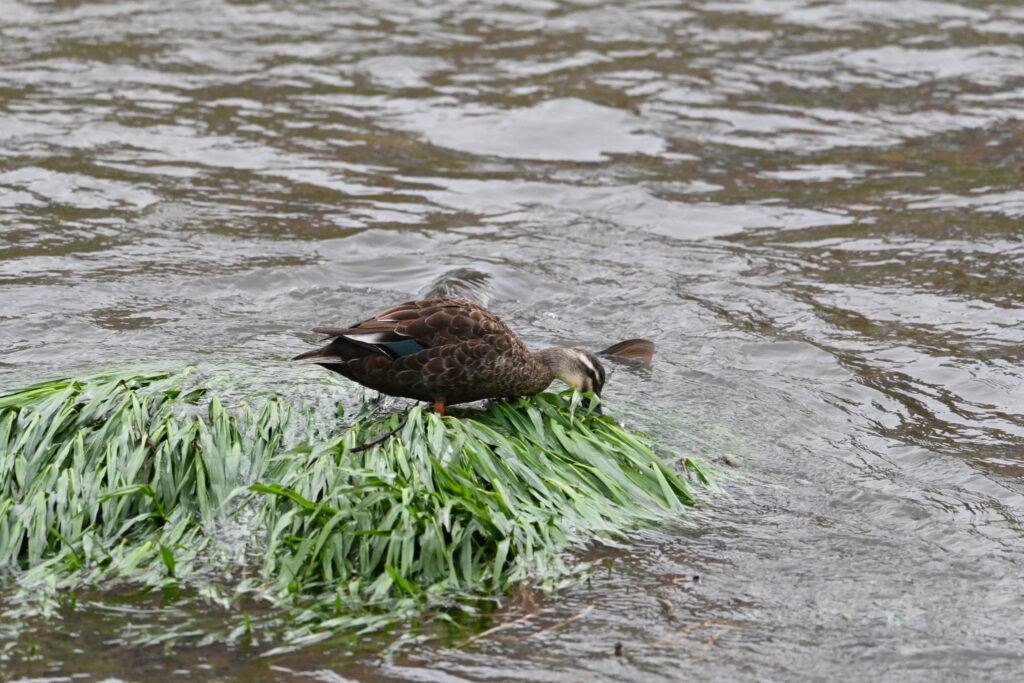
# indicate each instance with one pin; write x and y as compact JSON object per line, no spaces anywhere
{"x":812,"y":207}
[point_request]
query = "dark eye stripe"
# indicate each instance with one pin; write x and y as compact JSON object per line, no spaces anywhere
{"x":598,"y":374}
{"x":593,"y":369}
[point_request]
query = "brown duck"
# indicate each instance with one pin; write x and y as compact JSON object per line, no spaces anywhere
{"x":448,"y":351}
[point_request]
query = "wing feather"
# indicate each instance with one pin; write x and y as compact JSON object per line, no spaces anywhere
{"x":411,"y":327}
{"x":637,"y":352}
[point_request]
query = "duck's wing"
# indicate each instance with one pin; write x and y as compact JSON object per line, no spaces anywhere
{"x":636,"y":352}
{"x":417,"y":325}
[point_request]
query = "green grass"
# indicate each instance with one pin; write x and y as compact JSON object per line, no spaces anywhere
{"x":148,"y":480}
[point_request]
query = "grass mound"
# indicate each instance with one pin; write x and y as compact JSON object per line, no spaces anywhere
{"x":109,"y":473}
{"x":124,"y":478}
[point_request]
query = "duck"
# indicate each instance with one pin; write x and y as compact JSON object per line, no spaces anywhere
{"x":447,"y":351}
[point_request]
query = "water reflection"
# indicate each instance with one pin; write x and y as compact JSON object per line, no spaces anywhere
{"x":550,"y":131}
{"x":813,"y":209}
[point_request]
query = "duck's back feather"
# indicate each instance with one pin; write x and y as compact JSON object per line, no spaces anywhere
{"x":434,"y":349}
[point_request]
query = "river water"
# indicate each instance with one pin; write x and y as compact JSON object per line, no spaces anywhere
{"x":813,"y":207}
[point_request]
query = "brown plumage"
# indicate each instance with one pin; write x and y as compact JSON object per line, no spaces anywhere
{"x":448,"y":351}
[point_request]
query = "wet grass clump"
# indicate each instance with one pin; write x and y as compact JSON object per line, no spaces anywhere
{"x":113,"y":476}
{"x":146,"y":479}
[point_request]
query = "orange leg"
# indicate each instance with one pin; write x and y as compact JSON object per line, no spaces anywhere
{"x":439,"y":408}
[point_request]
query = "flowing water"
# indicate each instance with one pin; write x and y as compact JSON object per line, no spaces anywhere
{"x":813,"y":207}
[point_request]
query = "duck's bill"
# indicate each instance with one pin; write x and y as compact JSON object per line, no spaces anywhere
{"x":592,"y":405}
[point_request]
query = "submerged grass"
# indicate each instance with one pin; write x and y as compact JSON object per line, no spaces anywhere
{"x":124,"y":478}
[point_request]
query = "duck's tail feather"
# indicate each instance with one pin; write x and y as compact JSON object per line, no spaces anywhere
{"x":336,"y":331}
{"x":322,"y":356}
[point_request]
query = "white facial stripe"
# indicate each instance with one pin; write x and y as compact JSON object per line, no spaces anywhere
{"x":586,"y":361}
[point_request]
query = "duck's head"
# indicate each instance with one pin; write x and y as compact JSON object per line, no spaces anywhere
{"x":580,"y":369}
